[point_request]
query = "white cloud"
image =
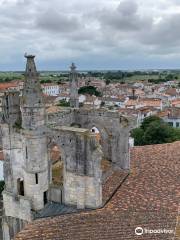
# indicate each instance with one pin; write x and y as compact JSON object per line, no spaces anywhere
{"x":59,"y":30}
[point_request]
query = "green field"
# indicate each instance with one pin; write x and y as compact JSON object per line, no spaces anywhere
{"x":9,"y":76}
{"x":123,"y":77}
{"x":140,"y":78}
{"x":44,"y":77}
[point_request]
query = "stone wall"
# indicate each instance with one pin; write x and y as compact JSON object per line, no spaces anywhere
{"x":82,"y":191}
{"x":55,"y":194}
{"x":114,"y":130}
{"x":11,"y":226}
{"x":11,"y":107}
{"x":13,"y":157}
{"x":82,"y":155}
{"x":17,"y":206}
{"x":62,"y":118}
{"x":27,"y":135}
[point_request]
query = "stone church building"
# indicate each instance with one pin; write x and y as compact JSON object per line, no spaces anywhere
{"x":28,"y":136}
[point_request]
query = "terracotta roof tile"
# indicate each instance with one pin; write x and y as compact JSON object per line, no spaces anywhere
{"x":148,"y":198}
{"x":4,"y":86}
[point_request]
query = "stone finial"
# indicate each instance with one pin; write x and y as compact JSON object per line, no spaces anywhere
{"x":30,"y":66}
{"x":31,"y":94}
{"x":73,"y":67}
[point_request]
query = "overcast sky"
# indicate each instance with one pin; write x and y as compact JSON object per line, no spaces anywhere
{"x":95,"y":34}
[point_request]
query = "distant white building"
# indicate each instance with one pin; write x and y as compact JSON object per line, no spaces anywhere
{"x":82,"y":98}
{"x":50,"y":89}
{"x":173,"y":118}
{"x":92,"y":101}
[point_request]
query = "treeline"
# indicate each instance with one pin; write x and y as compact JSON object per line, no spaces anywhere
{"x":91,"y":90}
{"x":163,"y":78}
{"x":151,"y":76}
{"x":4,"y":79}
{"x":111,"y":75}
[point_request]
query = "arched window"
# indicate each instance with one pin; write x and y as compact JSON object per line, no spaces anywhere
{"x":57,"y":165}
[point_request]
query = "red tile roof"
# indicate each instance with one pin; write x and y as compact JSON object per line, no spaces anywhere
{"x":171,"y":92}
{"x":4,"y":86}
{"x":1,"y":156}
{"x":175,"y":102}
{"x":148,"y":198}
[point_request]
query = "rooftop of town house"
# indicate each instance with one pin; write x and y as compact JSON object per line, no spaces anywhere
{"x":175,"y":101}
{"x":171,"y":92}
{"x":5,"y":86}
{"x":132,"y":102}
{"x":147,"y":198}
{"x":150,"y":99}
{"x":145,"y":109}
{"x":155,"y":102}
{"x":115,"y":98}
{"x":174,"y":113}
{"x":163,"y":113}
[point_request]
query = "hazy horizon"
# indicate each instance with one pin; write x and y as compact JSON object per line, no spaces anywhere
{"x":96,"y":70}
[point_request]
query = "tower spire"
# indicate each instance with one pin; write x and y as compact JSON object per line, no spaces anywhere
{"x":30,"y":66}
{"x":32,"y":105}
{"x":74,"y":99}
{"x":73,"y":67}
{"x":32,"y":94}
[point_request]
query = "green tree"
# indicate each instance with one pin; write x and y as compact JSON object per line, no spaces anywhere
{"x":154,"y":130}
{"x":158,"y":132}
{"x":45,"y":81}
{"x":138,"y":134}
{"x":147,"y":121}
{"x":91,"y":90}
{"x":64,"y":103}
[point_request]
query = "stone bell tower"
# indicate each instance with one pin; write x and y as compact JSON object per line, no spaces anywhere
{"x":34,"y":137}
{"x":25,"y":150}
{"x":74,"y":99}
